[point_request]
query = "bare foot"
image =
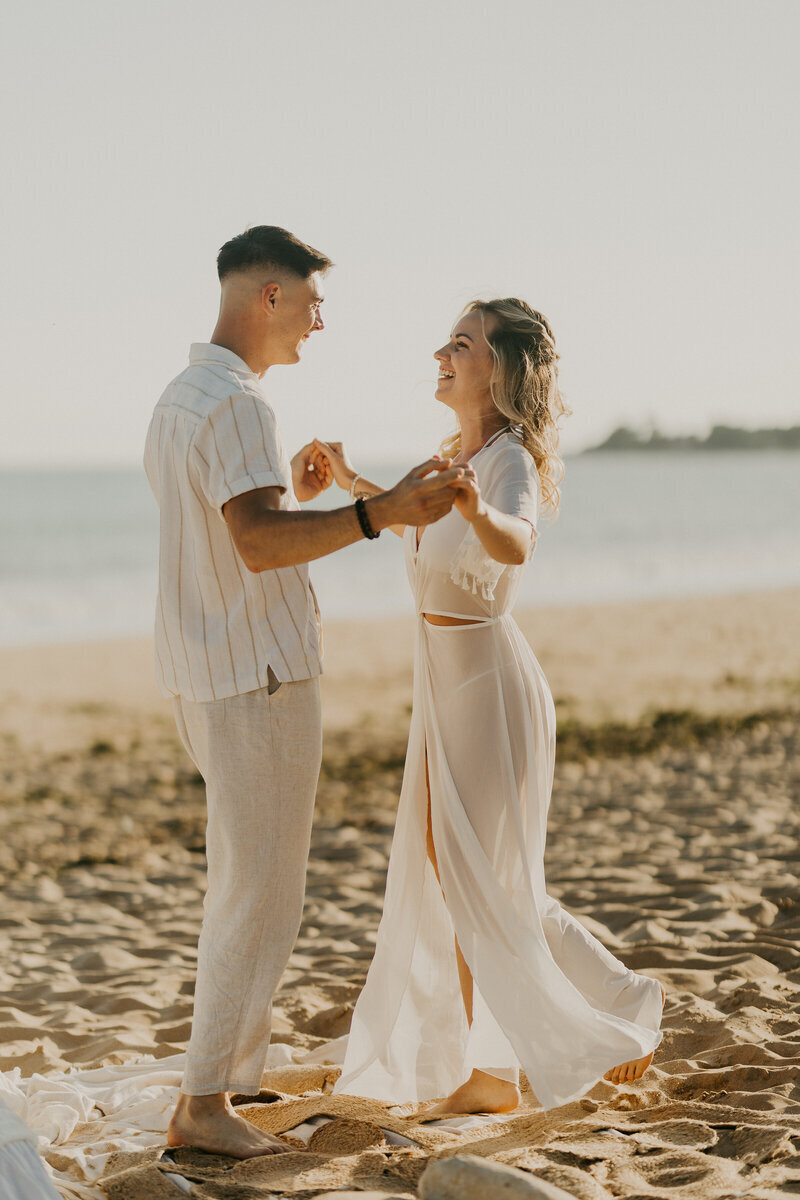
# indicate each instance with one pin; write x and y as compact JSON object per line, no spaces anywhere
{"x":210,"y":1123}
{"x":481,"y":1093}
{"x":629,"y":1072}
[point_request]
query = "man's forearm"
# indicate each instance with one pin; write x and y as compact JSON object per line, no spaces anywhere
{"x":281,"y":539}
{"x":268,"y":536}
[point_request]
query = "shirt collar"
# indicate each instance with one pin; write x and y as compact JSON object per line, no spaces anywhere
{"x":205,"y":352}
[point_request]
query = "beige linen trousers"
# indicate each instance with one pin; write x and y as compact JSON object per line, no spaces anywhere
{"x":259,"y":754}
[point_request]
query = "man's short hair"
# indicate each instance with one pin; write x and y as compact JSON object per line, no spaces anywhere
{"x":269,"y":246}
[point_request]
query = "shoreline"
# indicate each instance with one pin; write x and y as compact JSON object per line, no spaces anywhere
{"x":609,"y":662}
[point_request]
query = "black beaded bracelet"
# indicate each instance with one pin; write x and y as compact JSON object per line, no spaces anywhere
{"x":363,"y":520}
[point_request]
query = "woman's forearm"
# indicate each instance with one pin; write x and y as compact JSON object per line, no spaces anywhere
{"x":363,"y":487}
{"x":506,"y":539}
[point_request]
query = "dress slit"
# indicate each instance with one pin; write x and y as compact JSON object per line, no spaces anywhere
{"x":429,"y":842}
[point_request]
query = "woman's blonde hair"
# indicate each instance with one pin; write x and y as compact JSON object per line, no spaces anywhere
{"x":524,"y":386}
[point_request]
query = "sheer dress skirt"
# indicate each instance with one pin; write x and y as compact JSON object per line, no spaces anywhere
{"x":548,"y":997}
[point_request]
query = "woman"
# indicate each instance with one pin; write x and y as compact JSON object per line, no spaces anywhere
{"x":477,"y":971}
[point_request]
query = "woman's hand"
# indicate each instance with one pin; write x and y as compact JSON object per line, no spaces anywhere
{"x":335,"y":457}
{"x":468,"y":495}
{"x":505,"y":538}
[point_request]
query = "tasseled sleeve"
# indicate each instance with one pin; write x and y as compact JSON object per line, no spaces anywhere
{"x":508,"y":481}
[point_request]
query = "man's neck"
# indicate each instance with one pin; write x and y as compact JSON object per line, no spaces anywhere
{"x":237,"y":341}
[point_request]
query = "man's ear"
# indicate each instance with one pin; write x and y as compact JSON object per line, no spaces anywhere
{"x":269,"y":296}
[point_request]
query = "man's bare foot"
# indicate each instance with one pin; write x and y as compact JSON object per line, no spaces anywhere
{"x":210,"y":1123}
{"x":481,"y":1093}
{"x":629,"y":1072}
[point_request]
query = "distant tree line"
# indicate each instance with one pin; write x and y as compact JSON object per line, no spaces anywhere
{"x":721,"y":437}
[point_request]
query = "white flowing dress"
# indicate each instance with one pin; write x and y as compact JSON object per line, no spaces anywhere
{"x":548,"y":996}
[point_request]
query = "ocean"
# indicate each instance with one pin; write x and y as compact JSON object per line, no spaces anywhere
{"x":78,"y":549}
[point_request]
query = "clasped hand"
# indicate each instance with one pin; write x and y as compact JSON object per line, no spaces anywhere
{"x":311,"y":472}
{"x":324,"y":462}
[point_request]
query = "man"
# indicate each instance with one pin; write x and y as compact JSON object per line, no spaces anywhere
{"x":237,"y":647}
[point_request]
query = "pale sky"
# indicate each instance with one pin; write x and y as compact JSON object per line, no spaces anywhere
{"x":627,"y":166}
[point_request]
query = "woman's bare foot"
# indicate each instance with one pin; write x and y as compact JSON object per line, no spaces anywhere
{"x":481,"y":1093}
{"x":629,"y":1072}
{"x":210,"y":1123}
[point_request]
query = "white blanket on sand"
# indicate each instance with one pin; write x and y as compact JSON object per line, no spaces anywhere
{"x":80,"y":1118}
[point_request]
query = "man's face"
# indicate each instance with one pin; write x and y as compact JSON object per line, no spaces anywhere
{"x":297,"y":314}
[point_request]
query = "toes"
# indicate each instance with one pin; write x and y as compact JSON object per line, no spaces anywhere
{"x":273,"y":1146}
{"x":628,"y":1072}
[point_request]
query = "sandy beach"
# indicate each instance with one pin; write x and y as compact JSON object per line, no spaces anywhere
{"x":674,"y":835}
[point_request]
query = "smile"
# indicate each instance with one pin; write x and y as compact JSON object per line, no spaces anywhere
{"x":443,"y":374}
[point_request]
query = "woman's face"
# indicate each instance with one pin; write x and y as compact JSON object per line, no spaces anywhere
{"x":466,"y":365}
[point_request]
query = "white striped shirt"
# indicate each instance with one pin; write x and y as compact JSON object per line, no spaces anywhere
{"x":219,"y":626}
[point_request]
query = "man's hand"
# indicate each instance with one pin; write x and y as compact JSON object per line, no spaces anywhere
{"x":421,"y":497}
{"x":311,"y":473}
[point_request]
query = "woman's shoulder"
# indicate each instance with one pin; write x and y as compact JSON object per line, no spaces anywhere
{"x":506,"y":452}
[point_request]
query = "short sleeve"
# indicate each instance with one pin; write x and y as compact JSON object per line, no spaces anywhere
{"x":237,"y":449}
{"x":513,"y":485}
{"x":510,"y":483}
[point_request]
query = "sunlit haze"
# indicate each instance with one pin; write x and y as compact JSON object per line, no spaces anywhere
{"x":627,"y":167}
